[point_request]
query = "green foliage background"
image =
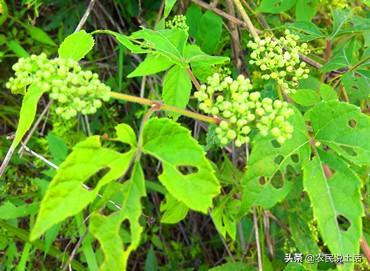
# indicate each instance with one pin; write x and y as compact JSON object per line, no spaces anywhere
{"x":142,"y":184}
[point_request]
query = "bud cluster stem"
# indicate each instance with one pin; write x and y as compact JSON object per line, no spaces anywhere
{"x":164,"y":107}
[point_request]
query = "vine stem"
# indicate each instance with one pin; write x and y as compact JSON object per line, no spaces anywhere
{"x":165,"y":107}
{"x":246,"y":19}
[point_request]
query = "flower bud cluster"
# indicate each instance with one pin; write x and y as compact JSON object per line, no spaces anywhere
{"x":279,"y":59}
{"x":73,"y":89}
{"x":178,"y":22}
{"x":335,"y":3}
{"x":241,"y":110}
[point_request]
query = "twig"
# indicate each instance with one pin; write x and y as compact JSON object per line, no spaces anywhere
{"x":365,"y":248}
{"x":220,"y":12}
{"x":246,"y":19}
{"x":223,"y":240}
{"x":165,"y":107}
{"x":74,"y":251}
{"x":193,"y":79}
{"x":310,"y":61}
{"x":85,"y":16}
{"x":259,"y":256}
{"x":266,"y":225}
{"x":6,"y":160}
{"x":235,"y":40}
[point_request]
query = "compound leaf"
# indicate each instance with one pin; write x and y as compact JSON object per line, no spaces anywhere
{"x":107,"y":228}
{"x":174,"y":147}
{"x":167,"y":42}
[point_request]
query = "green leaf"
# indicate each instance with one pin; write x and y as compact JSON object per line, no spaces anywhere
{"x":327,"y":93}
{"x":306,"y":30}
{"x":335,"y":202}
{"x":340,"y":18}
{"x":176,"y":87}
{"x":356,"y":85}
{"x":9,"y":211}
{"x":304,"y":10}
{"x":275,"y":6}
{"x":194,"y":54}
{"x":173,"y":210}
{"x":224,"y":215}
{"x":76,"y":45}
{"x":107,"y":228}
{"x":57,"y":147}
{"x":168,"y":5}
{"x":167,"y":42}
{"x":66,"y":195}
{"x":295,"y":267}
{"x":27,"y":112}
{"x":151,"y":261}
{"x":193,"y":16}
{"x":152,"y":64}
{"x":343,"y":128}
{"x":232,"y":266}
{"x":127,"y":42}
{"x":306,"y":97}
{"x":40,"y":35}
{"x":344,"y":56}
{"x":160,"y":138}
{"x":271,"y":167}
{"x":17,"y":48}
{"x":301,"y":233}
{"x":4,"y":13}
{"x":209,"y":32}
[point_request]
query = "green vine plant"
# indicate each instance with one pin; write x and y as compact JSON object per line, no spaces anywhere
{"x":324,"y":148}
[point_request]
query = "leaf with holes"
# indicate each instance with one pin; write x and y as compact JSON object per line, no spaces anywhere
{"x":107,"y":228}
{"x":173,"y":145}
{"x":271,"y":167}
{"x":336,"y":204}
{"x":343,"y":128}
{"x":66,"y":194}
{"x":356,"y":85}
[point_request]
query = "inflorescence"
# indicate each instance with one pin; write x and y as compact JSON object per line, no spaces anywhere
{"x":74,"y":90}
{"x":178,"y":22}
{"x":279,"y":59}
{"x":241,"y":110}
